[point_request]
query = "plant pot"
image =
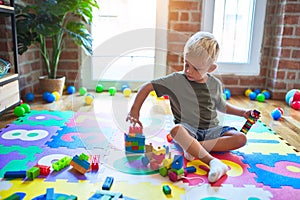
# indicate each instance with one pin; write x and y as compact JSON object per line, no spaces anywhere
{"x":52,"y":85}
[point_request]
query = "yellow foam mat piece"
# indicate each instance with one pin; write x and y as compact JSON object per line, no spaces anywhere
{"x":85,"y":189}
{"x":272,"y":144}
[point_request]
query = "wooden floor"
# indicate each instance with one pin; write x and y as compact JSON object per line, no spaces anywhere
{"x":288,"y":127}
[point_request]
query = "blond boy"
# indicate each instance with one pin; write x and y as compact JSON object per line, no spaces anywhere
{"x":195,"y":96}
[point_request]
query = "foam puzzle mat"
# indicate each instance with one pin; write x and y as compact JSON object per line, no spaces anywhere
{"x":265,"y":168}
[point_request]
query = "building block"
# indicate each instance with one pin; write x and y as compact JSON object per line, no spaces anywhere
{"x":101,"y":194}
{"x":136,"y":129}
{"x":189,"y":170}
{"x":250,"y":121}
{"x":50,"y":194}
{"x":32,"y":173}
{"x":15,"y":174}
{"x":44,"y":170}
{"x":85,"y":164}
{"x":16,"y":196}
{"x":94,"y":160}
{"x":134,"y":140}
{"x":62,"y":163}
{"x":83,"y":157}
{"x":107,"y":183}
{"x":177,"y":162}
{"x":81,"y":166}
{"x":166,"y":189}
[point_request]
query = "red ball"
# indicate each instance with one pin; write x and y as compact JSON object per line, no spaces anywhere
{"x":296,"y":105}
{"x":296,"y":96}
{"x":281,"y":110}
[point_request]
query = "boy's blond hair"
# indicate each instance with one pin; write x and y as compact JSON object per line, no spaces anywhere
{"x":203,"y":45}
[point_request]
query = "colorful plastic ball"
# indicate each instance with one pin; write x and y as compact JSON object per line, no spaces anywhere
{"x":252,"y":96}
{"x":57,"y":95}
{"x":247,"y":92}
{"x":296,"y":105}
{"x":29,"y":97}
{"x":50,"y":98}
{"x":26,"y":107}
{"x":99,"y":88}
{"x":19,"y":111}
{"x":267,"y":94}
{"x":71,"y":89}
{"x":45,"y":95}
{"x":89,"y":99}
{"x":260,"y":97}
{"x":124,"y":87}
{"x":281,"y":110}
{"x":257,"y":91}
{"x":276,"y":114}
{"x":289,"y":94}
{"x":127,"y":92}
{"x":296,"y":96}
{"x":82,"y":91}
{"x":227,"y":93}
{"x":112,"y":91}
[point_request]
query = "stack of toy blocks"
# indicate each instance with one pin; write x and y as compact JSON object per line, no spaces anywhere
{"x":134,"y":140}
{"x":250,"y":121}
{"x":80,"y":163}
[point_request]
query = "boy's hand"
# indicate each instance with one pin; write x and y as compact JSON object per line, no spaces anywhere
{"x":252,"y":113}
{"x":134,"y":120}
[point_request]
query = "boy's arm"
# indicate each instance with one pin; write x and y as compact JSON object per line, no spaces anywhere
{"x":134,"y":113}
{"x":233,"y":110}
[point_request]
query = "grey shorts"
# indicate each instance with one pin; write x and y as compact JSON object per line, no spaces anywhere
{"x":207,"y":134}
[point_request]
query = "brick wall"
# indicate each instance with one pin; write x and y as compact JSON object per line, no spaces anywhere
{"x":280,"y":58}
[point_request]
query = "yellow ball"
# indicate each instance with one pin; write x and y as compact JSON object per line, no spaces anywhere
{"x":247,"y":92}
{"x":89,"y":99}
{"x":127,"y":92}
{"x":57,"y":95}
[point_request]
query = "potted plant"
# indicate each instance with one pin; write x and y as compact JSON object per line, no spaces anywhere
{"x":47,"y":23}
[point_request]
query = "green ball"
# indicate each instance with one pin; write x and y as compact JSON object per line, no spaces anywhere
{"x":112,"y":91}
{"x":26,"y":107}
{"x":99,"y":88}
{"x":82,"y":91}
{"x":260,"y":97}
{"x":19,"y":111}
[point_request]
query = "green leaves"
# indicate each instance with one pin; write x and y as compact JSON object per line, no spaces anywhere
{"x":80,"y":35}
{"x":53,"y":20}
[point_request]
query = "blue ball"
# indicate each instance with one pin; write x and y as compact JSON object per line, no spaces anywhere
{"x":257,"y":91}
{"x":267,"y":94}
{"x":252,"y":96}
{"x":29,"y":96}
{"x":71,"y":89}
{"x":124,"y":87}
{"x":51,"y":98}
{"x":276,"y":114}
{"x":45,"y":95}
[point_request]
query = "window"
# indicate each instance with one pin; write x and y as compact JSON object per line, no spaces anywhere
{"x":128,"y":38}
{"x":238,"y":26}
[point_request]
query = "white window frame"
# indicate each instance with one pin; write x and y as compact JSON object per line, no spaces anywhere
{"x":86,"y":78}
{"x":253,"y":67}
